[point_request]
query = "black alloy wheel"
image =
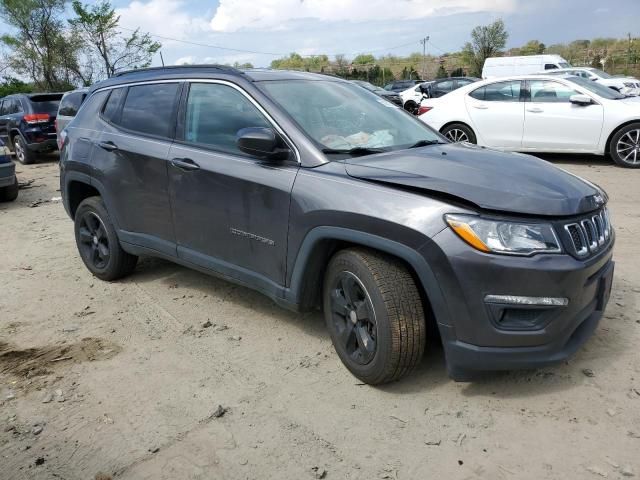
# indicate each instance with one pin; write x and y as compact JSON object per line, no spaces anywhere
{"x":98,"y":243}
{"x":374,"y":314}
{"x":354,"y":318}
{"x":93,"y":240}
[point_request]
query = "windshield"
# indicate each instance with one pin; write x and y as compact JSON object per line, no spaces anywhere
{"x":564,"y":65}
{"x":600,"y":73}
{"x":369,"y":86}
{"x":342,"y":116}
{"x":597,"y":88}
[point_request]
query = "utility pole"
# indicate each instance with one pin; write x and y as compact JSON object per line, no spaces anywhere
{"x":424,"y":54}
{"x":161,"y":57}
{"x":628,"y":53}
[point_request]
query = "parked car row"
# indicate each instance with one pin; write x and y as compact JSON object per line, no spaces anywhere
{"x":496,"y":67}
{"x":27,"y":124}
{"x":536,"y":113}
{"x":412,"y":97}
{"x":626,"y":85}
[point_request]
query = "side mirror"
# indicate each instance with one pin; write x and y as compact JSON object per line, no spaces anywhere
{"x":261,"y":142}
{"x":582,"y":100}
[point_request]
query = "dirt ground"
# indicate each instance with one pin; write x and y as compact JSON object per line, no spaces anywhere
{"x":126,"y":378}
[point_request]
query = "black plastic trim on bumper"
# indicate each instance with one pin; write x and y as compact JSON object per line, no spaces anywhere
{"x":45,"y":146}
{"x":464,"y":359}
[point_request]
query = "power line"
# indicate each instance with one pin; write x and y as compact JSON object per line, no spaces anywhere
{"x":255,"y":52}
{"x":208,"y":45}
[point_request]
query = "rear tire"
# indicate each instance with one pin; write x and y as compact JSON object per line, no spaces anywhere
{"x":98,"y":242}
{"x":9,"y":193}
{"x":374,"y":315}
{"x":411,"y":107}
{"x":459,"y":132}
{"x":23,"y":154}
{"x":625,"y":146}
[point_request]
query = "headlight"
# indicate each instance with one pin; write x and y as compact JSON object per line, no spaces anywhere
{"x":498,"y":236}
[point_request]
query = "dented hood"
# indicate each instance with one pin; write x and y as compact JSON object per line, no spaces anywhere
{"x":490,"y":179}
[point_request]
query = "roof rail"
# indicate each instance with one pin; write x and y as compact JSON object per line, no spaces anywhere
{"x":222,"y":68}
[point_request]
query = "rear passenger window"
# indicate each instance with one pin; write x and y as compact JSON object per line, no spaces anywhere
{"x":113,"y":103}
{"x":149,"y":109}
{"x":215,"y":113}
{"x":70,"y":104}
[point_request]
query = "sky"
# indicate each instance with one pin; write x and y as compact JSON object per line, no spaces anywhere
{"x":267,"y":29}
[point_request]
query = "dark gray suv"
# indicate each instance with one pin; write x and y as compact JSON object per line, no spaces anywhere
{"x":320,"y":194}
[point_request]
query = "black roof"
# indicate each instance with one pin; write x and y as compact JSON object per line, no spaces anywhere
{"x":207,"y":71}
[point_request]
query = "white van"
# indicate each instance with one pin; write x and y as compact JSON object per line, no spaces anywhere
{"x":507,"y":66}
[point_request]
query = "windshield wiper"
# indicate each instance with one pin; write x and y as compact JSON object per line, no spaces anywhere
{"x":424,"y":143}
{"x":355,"y":151}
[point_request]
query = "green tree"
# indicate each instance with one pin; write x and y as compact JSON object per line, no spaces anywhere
{"x":364,"y":59}
{"x":11,"y":85}
{"x":98,"y":27}
{"x":486,"y":41}
{"x":39,"y":48}
{"x":441,"y":73}
{"x":532,"y":47}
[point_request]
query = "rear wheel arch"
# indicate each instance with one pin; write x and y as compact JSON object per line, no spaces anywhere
{"x":77,"y":191}
{"x":12,"y":137}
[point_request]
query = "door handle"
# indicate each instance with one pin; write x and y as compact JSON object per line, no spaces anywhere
{"x":480,"y":106}
{"x":184,"y":164}
{"x":535,"y":110}
{"x":108,"y":146}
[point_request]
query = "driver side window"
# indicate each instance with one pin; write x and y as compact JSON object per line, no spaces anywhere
{"x":215,"y":113}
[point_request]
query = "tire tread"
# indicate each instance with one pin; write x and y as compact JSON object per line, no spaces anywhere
{"x":404,"y":309}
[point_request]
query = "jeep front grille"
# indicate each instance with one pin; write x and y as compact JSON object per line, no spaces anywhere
{"x":590,"y":234}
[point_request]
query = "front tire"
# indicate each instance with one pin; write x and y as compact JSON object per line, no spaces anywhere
{"x":9,"y":193}
{"x":374,"y":315}
{"x":23,"y":154}
{"x":459,"y":132}
{"x":98,"y":242}
{"x":625,"y":146}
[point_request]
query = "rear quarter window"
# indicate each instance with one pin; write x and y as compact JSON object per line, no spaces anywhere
{"x":112,"y":107}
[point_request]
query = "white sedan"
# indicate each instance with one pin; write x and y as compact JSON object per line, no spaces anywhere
{"x":535,"y":113}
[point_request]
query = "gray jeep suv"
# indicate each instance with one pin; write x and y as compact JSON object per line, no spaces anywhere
{"x":320,"y":194}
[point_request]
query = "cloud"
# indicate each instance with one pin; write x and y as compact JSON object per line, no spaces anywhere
{"x":163,"y":17}
{"x":188,"y":60}
{"x":234,"y":15}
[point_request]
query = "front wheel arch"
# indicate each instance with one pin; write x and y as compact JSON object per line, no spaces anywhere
{"x":607,"y":145}
{"x":323,"y":241}
{"x":615,"y":137}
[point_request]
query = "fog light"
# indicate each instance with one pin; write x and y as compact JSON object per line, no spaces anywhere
{"x":536,"y":301}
